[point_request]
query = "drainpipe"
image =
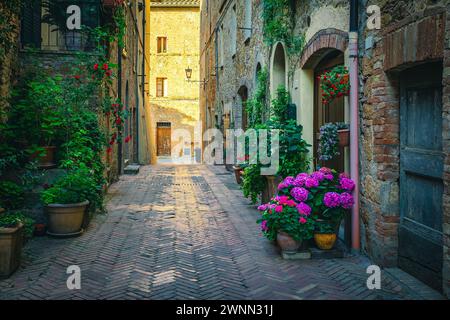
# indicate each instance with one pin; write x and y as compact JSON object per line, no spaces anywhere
{"x":119,"y":96}
{"x":354,"y":119}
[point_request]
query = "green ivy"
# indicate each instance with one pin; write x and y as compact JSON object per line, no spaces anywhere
{"x":256,"y":105}
{"x":9,"y":11}
{"x":279,"y":22}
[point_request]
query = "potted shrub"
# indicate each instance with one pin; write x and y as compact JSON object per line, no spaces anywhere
{"x":286,"y":221}
{"x":14,"y":228}
{"x":332,"y":136}
{"x":66,"y":202}
{"x":325,"y":194}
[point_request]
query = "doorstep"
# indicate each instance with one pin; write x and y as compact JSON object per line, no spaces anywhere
{"x":132,"y":169}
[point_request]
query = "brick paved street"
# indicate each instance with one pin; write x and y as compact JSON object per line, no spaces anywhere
{"x":186,"y":232}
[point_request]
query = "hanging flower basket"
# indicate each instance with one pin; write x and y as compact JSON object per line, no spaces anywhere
{"x":335,"y":84}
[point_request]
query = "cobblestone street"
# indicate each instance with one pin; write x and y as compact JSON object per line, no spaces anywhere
{"x":186,"y":232}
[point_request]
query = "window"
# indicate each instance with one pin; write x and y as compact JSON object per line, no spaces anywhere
{"x":162,"y":44}
{"x":220,"y":40}
{"x":161,"y":87}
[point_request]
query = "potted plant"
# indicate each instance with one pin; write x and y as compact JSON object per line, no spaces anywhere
{"x":332,"y":136}
{"x":67,"y":200}
{"x":286,"y":221}
{"x":14,"y":228}
{"x":326,"y":195}
{"x":334,"y":83}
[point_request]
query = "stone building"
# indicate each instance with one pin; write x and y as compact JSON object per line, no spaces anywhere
{"x":51,"y":51}
{"x":403,"y":148}
{"x":174,"y":99}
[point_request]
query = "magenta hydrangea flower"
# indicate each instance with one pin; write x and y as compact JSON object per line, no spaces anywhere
{"x":347,"y":200}
{"x":289,"y":181}
{"x":318,"y":176}
{"x":304,"y":209}
{"x":302,"y":220}
{"x":311,"y":183}
{"x":279,"y":209}
{"x":300,"y":194}
{"x":282,"y":186}
{"x":291,"y":203}
{"x":263,"y":207}
{"x":346,"y":184}
{"x":264,"y":226}
{"x":329,"y":176}
{"x":326,"y":170}
{"x":332,"y":200}
{"x":300,"y":181}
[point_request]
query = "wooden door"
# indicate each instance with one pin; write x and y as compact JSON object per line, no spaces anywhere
{"x":163,"y":135}
{"x":334,"y":112}
{"x":421,"y":174}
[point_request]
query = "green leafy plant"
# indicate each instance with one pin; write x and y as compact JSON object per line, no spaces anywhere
{"x":334,"y":83}
{"x":279,"y":23}
{"x":11,"y":195}
{"x":282,"y":214}
{"x":329,"y":140}
{"x":252,"y":182}
{"x":13,"y":220}
{"x":76,"y":186}
{"x":256,"y":105}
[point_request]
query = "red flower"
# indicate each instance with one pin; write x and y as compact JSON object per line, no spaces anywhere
{"x":118,"y":121}
{"x":96,"y":66}
{"x":127,"y":139}
{"x":109,"y":150}
{"x":109,"y":73}
{"x":78,"y":77}
{"x":105,"y":66}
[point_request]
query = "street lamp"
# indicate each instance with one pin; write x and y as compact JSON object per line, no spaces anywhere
{"x":188,"y":73}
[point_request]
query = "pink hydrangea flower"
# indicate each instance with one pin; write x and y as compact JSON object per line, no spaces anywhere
{"x":318,"y":176}
{"x":326,"y":170}
{"x":264,"y":226}
{"x":332,"y":200}
{"x":346,"y":184}
{"x":263,"y":207}
{"x":311,"y":183}
{"x":300,"y":194}
{"x":291,"y":203}
{"x":304,"y":209}
{"x":302,"y":220}
{"x":288,"y":181}
{"x":282,"y":186}
{"x":347,"y":200}
{"x":279,"y":209}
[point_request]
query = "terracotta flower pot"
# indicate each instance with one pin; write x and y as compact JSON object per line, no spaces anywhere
{"x":47,"y":159}
{"x":344,"y":137}
{"x":66,"y":219}
{"x":11,"y":241}
{"x":238,"y":174}
{"x":325,"y":241}
{"x":287,"y":243}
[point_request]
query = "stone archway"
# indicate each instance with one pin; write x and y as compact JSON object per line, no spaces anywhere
{"x":278,"y":68}
{"x":242,"y":101}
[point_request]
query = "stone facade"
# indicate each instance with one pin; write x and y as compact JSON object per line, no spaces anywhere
{"x":179,"y":24}
{"x":413,"y":32}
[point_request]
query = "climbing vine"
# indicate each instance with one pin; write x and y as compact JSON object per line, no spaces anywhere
{"x":9,"y":11}
{"x":279,"y":23}
{"x":256,"y":105}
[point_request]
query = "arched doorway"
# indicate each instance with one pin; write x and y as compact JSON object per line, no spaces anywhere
{"x":278,"y":74}
{"x":331,"y":113}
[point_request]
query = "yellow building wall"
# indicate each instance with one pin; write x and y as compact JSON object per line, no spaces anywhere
{"x":181,"y":26}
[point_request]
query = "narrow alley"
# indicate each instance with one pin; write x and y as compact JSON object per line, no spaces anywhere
{"x":186,"y":232}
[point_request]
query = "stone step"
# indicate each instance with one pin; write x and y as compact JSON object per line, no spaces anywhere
{"x":131,"y":169}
